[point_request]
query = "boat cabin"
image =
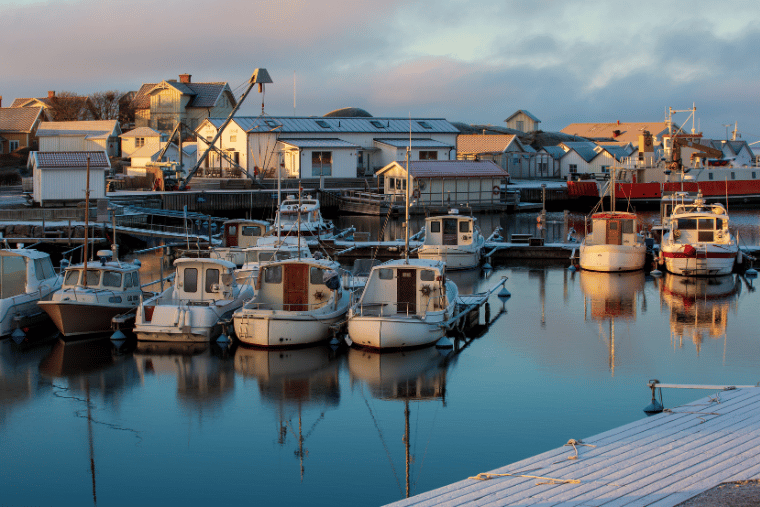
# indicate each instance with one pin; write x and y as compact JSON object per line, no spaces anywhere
{"x":700,"y":223}
{"x":244,"y":233}
{"x":107,"y":275}
{"x":203,"y":280}
{"x":449,"y":230}
{"x":297,"y":285}
{"x":398,"y":287}
{"x":613,"y":228}
{"x":23,"y":270}
{"x":302,"y":216}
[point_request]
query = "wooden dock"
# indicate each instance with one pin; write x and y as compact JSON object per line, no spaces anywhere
{"x":660,"y":461}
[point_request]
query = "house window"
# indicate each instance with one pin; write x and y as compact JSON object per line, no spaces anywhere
{"x":520,"y":125}
{"x":605,"y":169}
{"x":710,"y":175}
{"x":233,"y":139}
{"x":428,"y":155}
{"x":165,"y":124}
{"x":424,"y":125}
{"x":753,"y":175}
{"x":321,"y":163}
{"x":139,"y":142}
{"x":12,"y":145}
{"x":323,"y":124}
{"x":377,"y":124}
{"x":573,"y":168}
{"x":733,"y":175}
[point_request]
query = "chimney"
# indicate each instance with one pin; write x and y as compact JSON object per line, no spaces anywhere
{"x":184,"y":78}
{"x":51,"y":94}
{"x":1,"y":101}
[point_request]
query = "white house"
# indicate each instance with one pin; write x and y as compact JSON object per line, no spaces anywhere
{"x":508,"y":152}
{"x":62,"y":176}
{"x":149,"y":153}
{"x":137,"y":138}
{"x":523,"y":121}
{"x":94,"y":135}
{"x":351,"y":146}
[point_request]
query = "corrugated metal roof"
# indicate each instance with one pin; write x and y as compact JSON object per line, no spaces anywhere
{"x":92,"y":128}
{"x":526,"y":113}
{"x":479,"y":143}
{"x":18,"y":119}
{"x":416,"y":143}
{"x":290,"y":124}
{"x":319,"y":143}
{"x":555,"y":151}
{"x":50,"y":159}
{"x":452,"y":169}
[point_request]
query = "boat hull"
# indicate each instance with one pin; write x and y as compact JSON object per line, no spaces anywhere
{"x":454,"y":257}
{"x":73,"y":318}
{"x":612,"y":258}
{"x":395,"y":332}
{"x":261,"y":330}
{"x":709,"y":262}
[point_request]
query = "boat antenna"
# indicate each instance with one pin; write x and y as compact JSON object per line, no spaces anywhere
{"x":298,"y":222}
{"x":406,"y":225}
{"x":86,"y":223}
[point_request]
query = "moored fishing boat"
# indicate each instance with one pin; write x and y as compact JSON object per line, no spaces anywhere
{"x":93,"y":294}
{"x":302,"y":216}
{"x":204,"y":294}
{"x":27,"y":277}
{"x":614,"y":243}
{"x":697,"y":240}
{"x":270,"y":249}
{"x":453,"y":239}
{"x":237,"y":236}
{"x":296,"y":303}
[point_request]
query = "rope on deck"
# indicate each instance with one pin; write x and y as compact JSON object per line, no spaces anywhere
{"x":484,"y":476}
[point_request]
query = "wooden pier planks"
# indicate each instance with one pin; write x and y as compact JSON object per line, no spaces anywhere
{"x":661,"y":461}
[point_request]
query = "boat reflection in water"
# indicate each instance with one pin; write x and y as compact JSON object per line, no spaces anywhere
{"x":292,"y":380}
{"x":204,"y":377}
{"x":699,"y":306}
{"x":411,"y":375}
{"x":611,"y":297}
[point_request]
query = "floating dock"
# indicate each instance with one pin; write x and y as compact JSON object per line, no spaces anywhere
{"x":660,"y":461}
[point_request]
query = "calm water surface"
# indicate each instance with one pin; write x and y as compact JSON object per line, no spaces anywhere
{"x":567,"y":356}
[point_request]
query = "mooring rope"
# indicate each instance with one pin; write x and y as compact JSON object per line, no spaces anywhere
{"x":576,"y":443}
{"x":484,"y":476}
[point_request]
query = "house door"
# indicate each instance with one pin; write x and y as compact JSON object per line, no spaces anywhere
{"x":406,"y":291}
{"x":449,"y":231}
{"x":295,"y":297}
{"x":614,"y":237}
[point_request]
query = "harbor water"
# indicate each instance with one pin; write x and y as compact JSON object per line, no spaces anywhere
{"x":568,"y":355}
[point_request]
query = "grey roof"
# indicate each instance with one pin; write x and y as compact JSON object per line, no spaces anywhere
{"x":555,"y":151}
{"x":204,"y":94}
{"x":141,"y":132}
{"x":451,"y":169}
{"x":585,"y":149}
{"x":416,"y":143}
{"x":49,"y":159}
{"x":18,"y":119}
{"x":291,"y":124}
{"x":318,"y":143}
{"x":619,"y":152}
{"x":89,"y":128}
{"x":526,"y":113}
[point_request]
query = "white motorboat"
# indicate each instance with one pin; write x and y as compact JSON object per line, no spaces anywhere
{"x":614,"y":243}
{"x":26,"y":277}
{"x":302,"y":216}
{"x":237,"y":236}
{"x":86,"y":303}
{"x":296,"y":303}
{"x":697,"y":240}
{"x":270,"y":249}
{"x":203,"y":295}
{"x":406,"y":303}
{"x":453,"y":239}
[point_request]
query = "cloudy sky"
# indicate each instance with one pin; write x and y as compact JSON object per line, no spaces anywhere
{"x":472,"y":61}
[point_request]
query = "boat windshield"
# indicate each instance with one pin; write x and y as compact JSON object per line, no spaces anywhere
{"x":112,"y":279}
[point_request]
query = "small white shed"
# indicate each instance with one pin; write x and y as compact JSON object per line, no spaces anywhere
{"x":62,"y":176}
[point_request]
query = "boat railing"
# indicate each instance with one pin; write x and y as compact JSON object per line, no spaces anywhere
{"x":391,"y":308}
{"x":282,"y":307}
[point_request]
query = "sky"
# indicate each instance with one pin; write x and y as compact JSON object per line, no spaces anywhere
{"x":472,"y":61}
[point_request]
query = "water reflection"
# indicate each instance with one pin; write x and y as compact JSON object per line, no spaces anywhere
{"x":292,"y":380}
{"x":205,"y":376}
{"x":18,"y":382}
{"x":611,"y":297}
{"x":699,"y":307}
{"x":415,"y":375}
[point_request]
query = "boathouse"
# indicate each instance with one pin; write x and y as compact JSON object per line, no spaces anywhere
{"x":446,"y":182}
{"x":64,"y":136}
{"x":61,"y":177}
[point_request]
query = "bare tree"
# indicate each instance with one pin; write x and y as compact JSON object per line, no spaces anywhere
{"x":105,"y":105}
{"x":68,"y":106}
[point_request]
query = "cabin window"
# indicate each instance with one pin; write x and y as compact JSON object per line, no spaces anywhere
{"x":427,"y":275}
{"x":273,"y":274}
{"x":435,"y":226}
{"x":190,"y":280}
{"x":281,"y":256}
{"x":93,"y":277}
{"x":43,"y":268}
{"x":112,"y":279}
{"x":449,"y":226}
{"x":212,"y":278}
{"x":719,"y":223}
{"x":428,"y":155}
{"x":251,"y":230}
{"x":72,"y":277}
{"x":266,"y":256}
{"x":464,"y":226}
{"x":627,"y":226}
{"x":687,"y":224}
{"x":316,"y":276}
{"x":251,"y":256}
{"x":13,"y":279}
{"x":130,"y":280}
{"x":385,"y":274}
{"x":706,"y":224}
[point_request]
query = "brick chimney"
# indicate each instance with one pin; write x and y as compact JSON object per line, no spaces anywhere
{"x":184,"y":78}
{"x":51,"y":94}
{"x":1,"y":101}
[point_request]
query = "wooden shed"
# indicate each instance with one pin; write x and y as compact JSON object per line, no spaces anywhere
{"x":61,"y":177}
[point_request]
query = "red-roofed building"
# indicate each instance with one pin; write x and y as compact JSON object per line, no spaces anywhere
{"x":18,"y":127}
{"x":447,"y":182}
{"x":161,"y":105}
{"x":61,"y":177}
